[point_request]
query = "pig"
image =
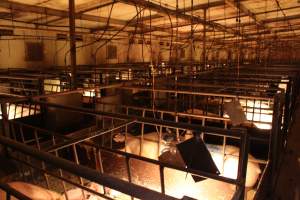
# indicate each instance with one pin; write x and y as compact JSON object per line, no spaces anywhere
{"x":33,"y":191}
{"x":228,"y":167}
{"x":151,"y":148}
{"x":79,"y":194}
{"x":38,"y":193}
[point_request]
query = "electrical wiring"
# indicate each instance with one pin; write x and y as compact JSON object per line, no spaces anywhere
{"x":102,"y":34}
{"x":132,"y":37}
{"x":238,"y":27}
{"x":150,"y":36}
{"x":58,"y":50}
{"x":107,"y":41}
{"x":172,"y":34}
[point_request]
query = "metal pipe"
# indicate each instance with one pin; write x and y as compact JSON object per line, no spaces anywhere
{"x":84,"y":137}
{"x":72,"y":41}
{"x":232,"y":132}
{"x":12,"y":192}
{"x":243,"y":162}
{"x":87,"y":173}
{"x":192,"y":92}
{"x":204,"y":38}
{"x":60,"y":177}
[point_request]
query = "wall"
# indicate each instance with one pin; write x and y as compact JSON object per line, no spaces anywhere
{"x":13,"y":53}
{"x":126,"y":53}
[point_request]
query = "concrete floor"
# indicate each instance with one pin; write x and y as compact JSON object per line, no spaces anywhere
{"x":288,"y":184}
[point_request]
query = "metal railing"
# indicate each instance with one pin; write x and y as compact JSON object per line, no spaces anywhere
{"x":66,"y":142}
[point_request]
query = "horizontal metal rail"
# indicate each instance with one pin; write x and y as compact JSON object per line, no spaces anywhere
{"x":183,"y":114}
{"x":85,"y":137}
{"x":193,"y":92}
{"x":87,"y":173}
{"x":12,"y":192}
{"x":170,"y":124}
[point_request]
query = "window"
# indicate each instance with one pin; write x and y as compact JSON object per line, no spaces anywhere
{"x":34,"y":51}
{"x":111,"y":52}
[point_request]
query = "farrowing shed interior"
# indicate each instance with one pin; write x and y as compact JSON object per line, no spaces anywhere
{"x":149,"y":99}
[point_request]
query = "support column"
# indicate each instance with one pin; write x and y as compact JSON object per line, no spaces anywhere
{"x":5,"y":127}
{"x":72,"y":42}
{"x":204,"y":39}
{"x":192,"y":36}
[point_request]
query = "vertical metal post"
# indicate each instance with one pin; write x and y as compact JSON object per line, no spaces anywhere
{"x":5,"y":125}
{"x":60,"y":170}
{"x":98,"y":163}
{"x":77,"y":162}
{"x":43,"y":163}
{"x":162,"y":179}
{"x":142,"y":135}
{"x":27,"y":157}
{"x":128,"y":171}
{"x":177,"y":129}
{"x":204,"y":39}
{"x":41,"y":86}
{"x":192,"y":33}
{"x":72,"y":42}
{"x":287,"y":108}
{"x":275,"y":136}
{"x":243,"y":161}
{"x":160,"y":135}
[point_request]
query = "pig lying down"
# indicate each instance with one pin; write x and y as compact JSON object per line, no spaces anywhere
{"x":179,"y":183}
{"x":39,"y":193}
{"x":32,"y":191}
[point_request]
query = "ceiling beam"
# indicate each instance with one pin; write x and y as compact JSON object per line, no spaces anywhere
{"x":203,"y":6}
{"x":256,"y":14}
{"x":170,"y":12}
{"x":54,"y":12}
{"x":194,"y":8}
{"x":15,"y":6}
{"x":271,"y":20}
{"x":46,"y":29}
{"x":243,"y":9}
{"x":100,"y":4}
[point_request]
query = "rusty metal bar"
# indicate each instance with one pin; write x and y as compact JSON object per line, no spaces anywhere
{"x":243,"y":161}
{"x":204,"y":38}
{"x":191,"y":92}
{"x":128,"y":171}
{"x":87,"y":173}
{"x":84,"y":137}
{"x":12,"y":192}
{"x":162,"y":179}
{"x":72,"y":42}
{"x":39,"y":148}
{"x":60,"y":171}
{"x":5,"y":125}
{"x":151,"y":121}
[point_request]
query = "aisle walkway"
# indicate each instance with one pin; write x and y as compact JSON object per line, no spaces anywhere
{"x":288,"y":185}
